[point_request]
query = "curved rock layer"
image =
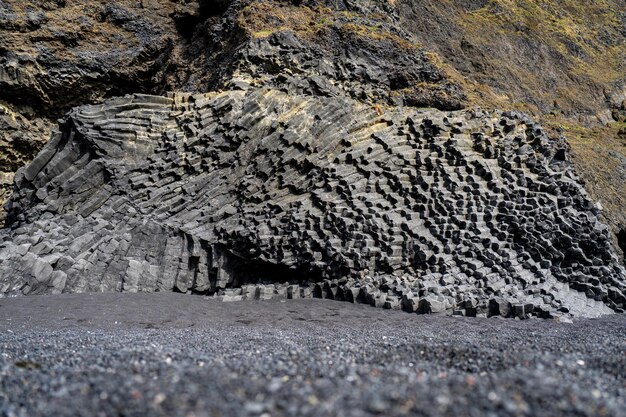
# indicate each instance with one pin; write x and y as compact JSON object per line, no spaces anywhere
{"x":58,"y":55}
{"x":258,"y":193}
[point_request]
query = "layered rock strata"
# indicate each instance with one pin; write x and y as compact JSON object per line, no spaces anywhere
{"x":55,"y":55}
{"x":258,"y":193}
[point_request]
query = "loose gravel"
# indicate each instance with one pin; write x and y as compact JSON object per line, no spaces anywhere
{"x":177,"y":355}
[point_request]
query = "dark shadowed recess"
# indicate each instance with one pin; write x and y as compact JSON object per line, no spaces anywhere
{"x":187,"y":23}
{"x":245,"y":271}
{"x":210,"y":8}
{"x":248,"y":271}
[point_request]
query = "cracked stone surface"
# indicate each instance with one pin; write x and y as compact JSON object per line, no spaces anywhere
{"x":58,"y":55}
{"x":262,"y":194}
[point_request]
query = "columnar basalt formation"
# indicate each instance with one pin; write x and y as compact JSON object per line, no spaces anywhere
{"x":569,"y":71}
{"x":55,"y":55}
{"x":258,"y":193}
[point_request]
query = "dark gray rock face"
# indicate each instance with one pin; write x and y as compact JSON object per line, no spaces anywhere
{"x":20,"y":141}
{"x":262,"y":194}
{"x":341,"y":61}
{"x":58,"y":55}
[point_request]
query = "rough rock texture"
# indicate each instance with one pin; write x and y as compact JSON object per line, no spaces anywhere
{"x":20,"y":141}
{"x":560,"y":61}
{"x":57,"y":55}
{"x":356,"y":50}
{"x":314,"y":174}
{"x":262,"y":193}
{"x":564,"y":62}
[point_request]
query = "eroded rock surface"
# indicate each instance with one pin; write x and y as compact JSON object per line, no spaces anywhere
{"x":21,"y":138}
{"x":55,"y":55}
{"x":258,"y":193}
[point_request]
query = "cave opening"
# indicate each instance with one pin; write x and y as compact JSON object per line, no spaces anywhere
{"x":246,"y":271}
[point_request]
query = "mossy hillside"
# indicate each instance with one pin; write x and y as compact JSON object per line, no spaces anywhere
{"x":586,"y":39}
{"x":599,"y":155}
{"x":359,"y":32}
{"x":261,"y":19}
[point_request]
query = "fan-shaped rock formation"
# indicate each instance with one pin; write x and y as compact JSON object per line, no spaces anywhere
{"x":258,"y":194}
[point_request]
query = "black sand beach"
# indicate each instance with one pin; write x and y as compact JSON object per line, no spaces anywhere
{"x":177,"y":355}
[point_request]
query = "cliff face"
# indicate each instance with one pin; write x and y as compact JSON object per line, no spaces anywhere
{"x":563,"y":62}
{"x":314,"y":167}
{"x":56,"y":55}
{"x":423,"y":209}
